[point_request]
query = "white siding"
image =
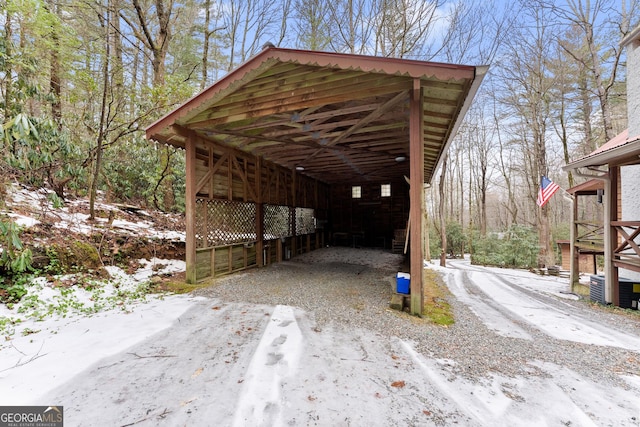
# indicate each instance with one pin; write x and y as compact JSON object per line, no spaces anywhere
{"x":630,"y":187}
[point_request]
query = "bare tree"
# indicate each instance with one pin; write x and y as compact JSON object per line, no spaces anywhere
{"x":248,"y":24}
{"x":529,"y":92}
{"x":207,"y":34}
{"x":442,"y":213}
{"x":598,"y":52}
{"x":105,"y":21}
{"x":311,"y":24}
{"x":153,"y":27}
{"x":351,"y":25}
{"x":402,"y":25}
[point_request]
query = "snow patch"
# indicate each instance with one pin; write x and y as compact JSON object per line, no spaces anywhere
{"x":58,"y":348}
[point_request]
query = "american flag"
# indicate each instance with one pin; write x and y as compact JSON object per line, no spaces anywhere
{"x":547,"y":189}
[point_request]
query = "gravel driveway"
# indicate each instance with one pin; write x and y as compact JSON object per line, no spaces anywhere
{"x":352,"y":288}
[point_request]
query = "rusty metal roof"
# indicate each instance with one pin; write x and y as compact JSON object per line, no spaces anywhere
{"x":620,"y":150}
{"x":334,"y":117}
{"x":590,"y":187}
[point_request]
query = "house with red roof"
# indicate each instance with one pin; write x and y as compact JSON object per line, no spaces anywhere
{"x":617,"y":165}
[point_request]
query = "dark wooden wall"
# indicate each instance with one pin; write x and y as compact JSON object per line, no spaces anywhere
{"x":370,"y":220}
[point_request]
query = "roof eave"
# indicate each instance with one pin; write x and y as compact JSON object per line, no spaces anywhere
{"x":631,"y":36}
{"x":196,"y":101}
{"x":612,"y":156}
{"x":480,"y":73}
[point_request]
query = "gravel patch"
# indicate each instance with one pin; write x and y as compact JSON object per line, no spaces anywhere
{"x":351,"y":288}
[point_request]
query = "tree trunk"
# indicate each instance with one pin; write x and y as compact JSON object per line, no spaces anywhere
{"x":159,"y":46}
{"x":544,"y":231}
{"x":443,"y":219}
{"x":116,"y":38}
{"x":205,"y":45}
{"x":8,"y":32}
{"x":103,"y":118}
{"x":54,"y":65}
{"x":586,"y":110}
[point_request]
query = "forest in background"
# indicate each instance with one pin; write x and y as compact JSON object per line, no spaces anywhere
{"x":80,"y":80}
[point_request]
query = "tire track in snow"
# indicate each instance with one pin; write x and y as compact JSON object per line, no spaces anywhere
{"x":494,"y":316}
{"x":276,"y":358}
{"x":542,"y":312}
{"x":502,"y":402}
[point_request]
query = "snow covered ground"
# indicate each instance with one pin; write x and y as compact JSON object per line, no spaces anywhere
{"x":180,"y":360}
{"x":28,"y":204}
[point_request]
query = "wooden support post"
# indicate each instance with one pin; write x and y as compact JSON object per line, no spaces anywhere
{"x":611,"y":236}
{"x":213,"y":262}
{"x":260,"y":234}
{"x":279,"y":243}
{"x":574,"y":261}
{"x":190,"y":209}
{"x":292,"y":213}
{"x":259,"y":215}
{"x":416,"y":193}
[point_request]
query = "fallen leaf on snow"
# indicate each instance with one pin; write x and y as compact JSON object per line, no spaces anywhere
{"x":398,"y":384}
{"x":186,"y":402}
{"x":197,"y":372}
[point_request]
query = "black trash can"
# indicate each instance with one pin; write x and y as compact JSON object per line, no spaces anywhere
{"x":629,"y":293}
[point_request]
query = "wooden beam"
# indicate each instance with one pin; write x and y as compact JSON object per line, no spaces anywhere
{"x":574,"y":261}
{"x":229,"y":114}
{"x":190,"y":209}
{"x":614,"y":178}
{"x":260,"y":261}
{"x":610,"y":235}
{"x":382,"y":109}
{"x":416,"y":161}
{"x":242,"y":174}
{"x":250,"y":98}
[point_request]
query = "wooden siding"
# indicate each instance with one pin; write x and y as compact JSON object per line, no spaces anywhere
{"x":370,"y":220}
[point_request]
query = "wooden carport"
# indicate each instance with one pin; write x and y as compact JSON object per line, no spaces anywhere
{"x":267,"y":144}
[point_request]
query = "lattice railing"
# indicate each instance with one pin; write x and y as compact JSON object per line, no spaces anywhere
{"x":305,"y":221}
{"x":277,"y":222}
{"x":223,"y":222}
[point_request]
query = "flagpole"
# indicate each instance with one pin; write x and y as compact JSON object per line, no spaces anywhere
{"x":566,"y":193}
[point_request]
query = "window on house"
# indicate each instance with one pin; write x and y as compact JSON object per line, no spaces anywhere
{"x":356,"y":192}
{"x":385,"y":190}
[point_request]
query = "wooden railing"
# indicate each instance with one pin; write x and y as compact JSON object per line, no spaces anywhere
{"x":627,"y":254}
{"x":590,"y":236}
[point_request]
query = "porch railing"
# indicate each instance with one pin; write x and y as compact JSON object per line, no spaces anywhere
{"x":590,"y":236}
{"x":627,"y":254}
